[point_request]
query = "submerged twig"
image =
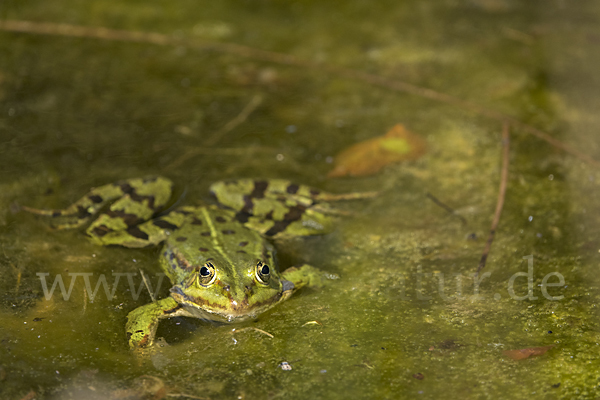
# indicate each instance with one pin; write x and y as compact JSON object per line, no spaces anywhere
{"x":147,"y":286}
{"x":238,"y":120}
{"x":229,"y":126}
{"x":18,"y":282}
{"x":45,"y":28}
{"x":187,"y":396}
{"x":85,"y":300}
{"x":449,"y":209}
{"x":234,"y":331}
{"x":501,"y":195}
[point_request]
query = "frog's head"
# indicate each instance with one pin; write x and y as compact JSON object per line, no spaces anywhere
{"x":218,"y":290}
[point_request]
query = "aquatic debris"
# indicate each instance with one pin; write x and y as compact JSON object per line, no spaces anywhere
{"x":446,"y":207}
{"x":522,"y":354}
{"x":30,"y":395}
{"x":501,"y":196}
{"x":370,"y":156}
{"x":312,"y":323}
{"x":143,"y":387}
{"x":285,"y":366}
{"x":234,"y":331}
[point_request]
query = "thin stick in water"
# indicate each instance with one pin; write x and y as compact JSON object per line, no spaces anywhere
{"x":147,"y":286}
{"x":229,"y":126}
{"x":501,"y":195}
{"x":446,"y":207}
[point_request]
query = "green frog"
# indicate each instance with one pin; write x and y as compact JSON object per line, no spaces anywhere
{"x":217,"y":257}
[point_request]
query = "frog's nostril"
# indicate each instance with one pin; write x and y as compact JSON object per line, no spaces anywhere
{"x":248,"y":289}
{"x":226,"y":288}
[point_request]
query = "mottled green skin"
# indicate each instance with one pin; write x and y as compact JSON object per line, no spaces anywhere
{"x":220,"y":264}
{"x":235,"y":293}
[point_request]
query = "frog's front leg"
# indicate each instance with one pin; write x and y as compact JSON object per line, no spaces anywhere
{"x":143,"y":321}
{"x":297,"y":277}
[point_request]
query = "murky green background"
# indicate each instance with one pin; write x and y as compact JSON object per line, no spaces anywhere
{"x":79,"y":112}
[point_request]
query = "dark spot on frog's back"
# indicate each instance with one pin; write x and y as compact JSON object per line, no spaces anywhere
{"x":241,"y":252}
{"x":294,"y":213}
{"x":202,"y":249}
{"x":129,"y":219}
{"x":82,"y":212}
{"x":137,"y":233}
{"x":181,"y":239}
{"x":242,"y":244}
{"x":57,"y":213}
{"x":136,"y":197}
{"x":259,"y":189}
{"x":205,"y":234}
{"x":94,"y":198}
{"x":248,"y":204}
{"x":242,"y":217}
{"x":126,"y":188}
{"x":161,"y":223}
{"x":278,"y":226}
{"x":196,"y":221}
{"x":292,"y":189}
{"x":220,"y":219}
{"x":101,"y":230}
{"x":228,"y":232}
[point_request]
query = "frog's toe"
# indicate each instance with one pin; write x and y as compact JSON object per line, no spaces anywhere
{"x":305,"y":275}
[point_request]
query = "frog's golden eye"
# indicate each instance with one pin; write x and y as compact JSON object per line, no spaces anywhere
{"x":263,"y":273}
{"x":206,"y":274}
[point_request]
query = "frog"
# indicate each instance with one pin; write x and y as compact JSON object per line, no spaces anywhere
{"x":219,"y":258}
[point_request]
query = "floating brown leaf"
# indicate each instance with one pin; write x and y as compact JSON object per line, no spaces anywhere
{"x":522,"y":354}
{"x":368,"y":157}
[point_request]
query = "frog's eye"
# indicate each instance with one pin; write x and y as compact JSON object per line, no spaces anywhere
{"x":263,"y":272}
{"x":206,"y":274}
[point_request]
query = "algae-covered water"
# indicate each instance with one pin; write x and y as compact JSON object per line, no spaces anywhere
{"x":275,"y":89}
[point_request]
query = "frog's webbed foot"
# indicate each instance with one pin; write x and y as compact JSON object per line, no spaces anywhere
{"x":278,"y":208}
{"x":305,"y":275}
{"x":143,"y":321}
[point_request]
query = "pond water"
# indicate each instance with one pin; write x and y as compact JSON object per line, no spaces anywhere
{"x":208,"y":91}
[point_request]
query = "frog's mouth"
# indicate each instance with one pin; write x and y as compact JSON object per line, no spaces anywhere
{"x":231,"y":312}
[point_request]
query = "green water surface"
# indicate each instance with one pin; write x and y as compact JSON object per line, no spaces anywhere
{"x":77,"y":112}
